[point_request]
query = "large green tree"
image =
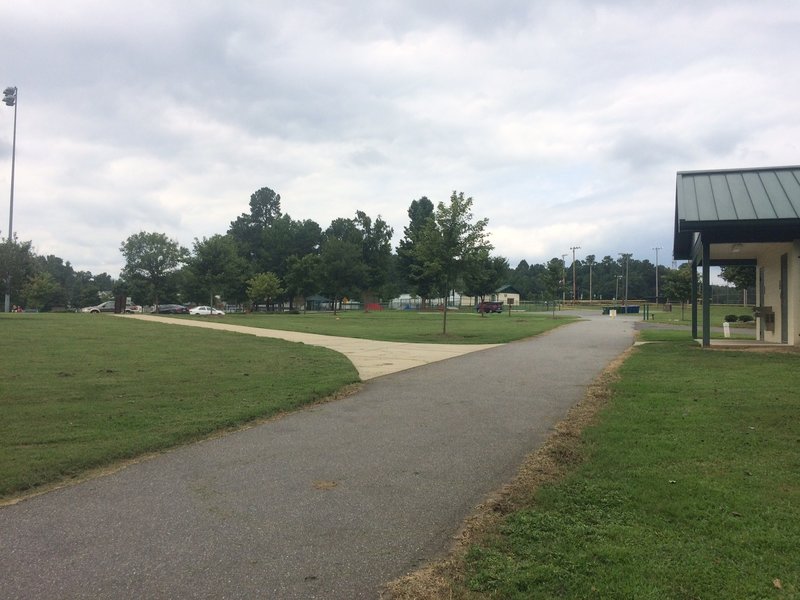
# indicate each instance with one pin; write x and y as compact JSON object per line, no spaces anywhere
{"x":376,"y":253}
{"x":247,"y":229}
{"x":484,"y":274}
{"x":215,"y":267}
{"x":42,"y":292}
{"x":87,"y":288}
{"x":302,"y":276}
{"x":266,"y":238}
{"x":18,"y":264}
{"x":554,"y":281}
{"x":420,"y":213}
{"x":341,"y":270}
{"x":63,"y":275}
{"x":365,"y":244}
{"x":677,"y":284}
{"x":285,"y":237}
{"x":152,"y":258}
{"x":447,"y":244}
{"x":741,"y":276}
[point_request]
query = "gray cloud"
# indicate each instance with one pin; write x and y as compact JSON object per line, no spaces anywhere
{"x":564,"y":120}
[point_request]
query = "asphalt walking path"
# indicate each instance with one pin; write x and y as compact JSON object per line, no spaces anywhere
{"x":328,"y":502}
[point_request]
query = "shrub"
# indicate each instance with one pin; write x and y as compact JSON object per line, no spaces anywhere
{"x":731,"y":318}
{"x":745,"y":318}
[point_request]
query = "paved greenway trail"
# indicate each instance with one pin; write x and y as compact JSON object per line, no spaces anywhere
{"x":329,"y":502}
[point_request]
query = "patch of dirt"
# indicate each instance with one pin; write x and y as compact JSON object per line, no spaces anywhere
{"x":324,"y":485}
{"x":444,"y":578}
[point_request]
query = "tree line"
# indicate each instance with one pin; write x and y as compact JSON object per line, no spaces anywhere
{"x":266,"y":257}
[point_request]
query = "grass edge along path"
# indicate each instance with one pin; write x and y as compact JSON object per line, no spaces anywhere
{"x":80,"y":393}
{"x":695,"y":496}
{"x":445,"y":578}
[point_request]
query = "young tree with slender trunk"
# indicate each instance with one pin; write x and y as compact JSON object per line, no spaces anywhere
{"x":447,"y":244}
{"x":264,"y":287}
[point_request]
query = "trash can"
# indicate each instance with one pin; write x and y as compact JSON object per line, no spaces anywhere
{"x":613,"y":313}
{"x":726,"y":329}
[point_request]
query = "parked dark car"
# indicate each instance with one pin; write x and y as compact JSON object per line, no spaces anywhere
{"x":171,"y":309}
{"x":487,"y":307}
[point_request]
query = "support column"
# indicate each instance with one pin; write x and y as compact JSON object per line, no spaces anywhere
{"x":706,"y":295}
{"x":694,"y":300}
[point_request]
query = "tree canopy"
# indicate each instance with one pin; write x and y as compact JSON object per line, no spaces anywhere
{"x":264,"y":288}
{"x":444,"y":249}
{"x":741,"y":277}
{"x":449,"y":243}
{"x":151,"y":258}
{"x":215,"y":266}
{"x":418,"y":280}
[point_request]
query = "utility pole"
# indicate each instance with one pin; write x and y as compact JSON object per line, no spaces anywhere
{"x":574,"y":288}
{"x":563,"y":279}
{"x":627,"y":257}
{"x":657,"y":248}
{"x":589,"y":260}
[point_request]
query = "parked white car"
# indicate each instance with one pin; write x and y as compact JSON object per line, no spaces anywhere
{"x":206,"y":310}
{"x":109,"y":306}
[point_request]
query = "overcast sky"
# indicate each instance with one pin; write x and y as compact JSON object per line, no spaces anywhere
{"x":566,"y":121}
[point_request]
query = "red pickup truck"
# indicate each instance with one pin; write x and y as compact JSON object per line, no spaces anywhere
{"x":487,"y":307}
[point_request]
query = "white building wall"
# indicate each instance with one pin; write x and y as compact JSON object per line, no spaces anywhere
{"x":504,"y":296}
{"x":769,"y":261}
{"x":794,"y":293}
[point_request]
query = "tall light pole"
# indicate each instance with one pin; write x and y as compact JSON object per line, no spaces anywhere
{"x":657,"y":248}
{"x":616,"y":292}
{"x":574,"y":289}
{"x":10,"y":98}
{"x":563,"y":279}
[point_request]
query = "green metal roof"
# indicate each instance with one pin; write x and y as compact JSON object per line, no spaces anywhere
{"x":507,"y":289}
{"x":736,"y":205}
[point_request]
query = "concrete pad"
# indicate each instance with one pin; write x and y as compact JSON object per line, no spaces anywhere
{"x":371,"y":358}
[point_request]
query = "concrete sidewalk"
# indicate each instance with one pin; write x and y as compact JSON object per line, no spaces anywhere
{"x":370,"y":357}
{"x":329,"y":502}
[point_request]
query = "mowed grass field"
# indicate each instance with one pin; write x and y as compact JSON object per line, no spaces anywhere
{"x":463,"y":327}
{"x":686,"y":486}
{"x":718,"y":314}
{"x":82,"y":391}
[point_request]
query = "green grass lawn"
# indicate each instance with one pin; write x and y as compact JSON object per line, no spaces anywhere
{"x":718,"y":313}
{"x":79,"y":391}
{"x":688,"y":487}
{"x":463,"y":327}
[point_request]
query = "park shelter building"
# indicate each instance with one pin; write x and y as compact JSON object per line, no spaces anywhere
{"x":744,"y":217}
{"x":507,"y":294}
{"x":502,"y":294}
